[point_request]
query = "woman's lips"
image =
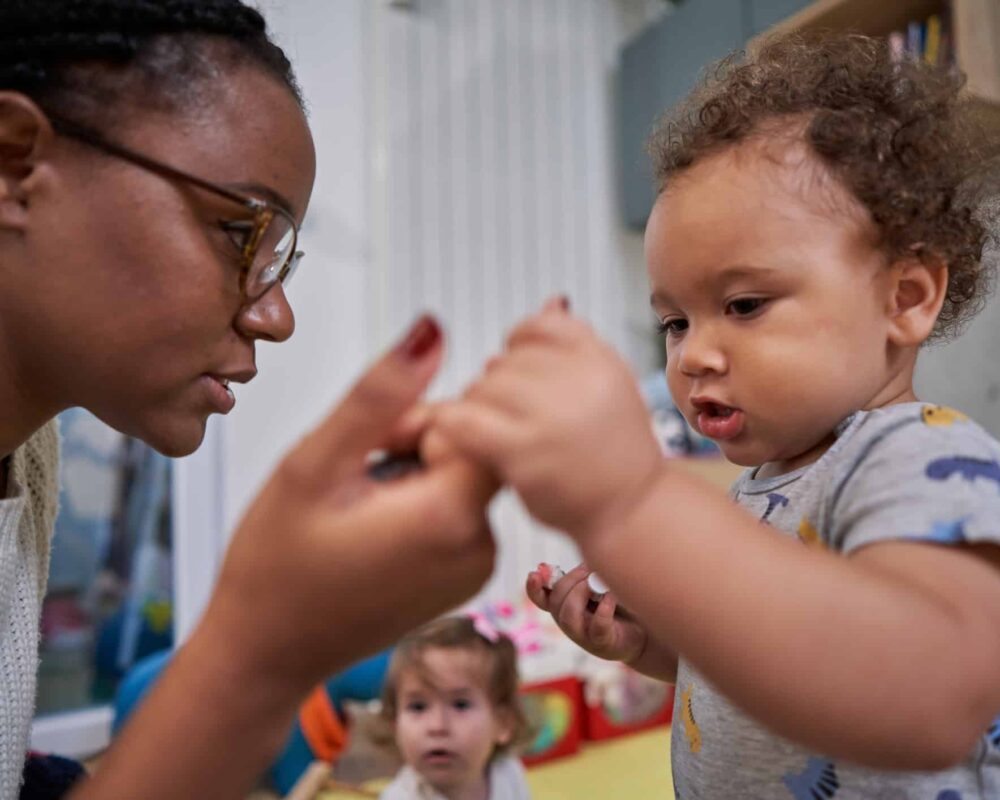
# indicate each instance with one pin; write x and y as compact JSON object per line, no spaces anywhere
{"x":220,"y":394}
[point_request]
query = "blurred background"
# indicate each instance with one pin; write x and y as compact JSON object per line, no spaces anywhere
{"x":475,"y":158}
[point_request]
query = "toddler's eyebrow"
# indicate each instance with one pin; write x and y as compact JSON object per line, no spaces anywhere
{"x":714,"y":280}
{"x":660,"y":299}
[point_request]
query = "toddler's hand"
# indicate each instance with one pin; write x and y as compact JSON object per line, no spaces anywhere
{"x":559,"y":417}
{"x":601,"y":631}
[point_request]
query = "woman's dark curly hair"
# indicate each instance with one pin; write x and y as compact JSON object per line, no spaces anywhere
{"x":895,"y":133}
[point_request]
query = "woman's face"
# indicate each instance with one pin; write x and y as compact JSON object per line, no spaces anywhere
{"x":130,"y":303}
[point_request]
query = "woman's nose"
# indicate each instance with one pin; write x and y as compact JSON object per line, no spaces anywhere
{"x":268,"y":317}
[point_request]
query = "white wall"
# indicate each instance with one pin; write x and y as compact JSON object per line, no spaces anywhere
{"x":499,"y":189}
{"x":300,"y":379}
{"x":466,"y":159}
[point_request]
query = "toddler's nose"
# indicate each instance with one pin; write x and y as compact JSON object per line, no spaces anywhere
{"x":699,"y":353}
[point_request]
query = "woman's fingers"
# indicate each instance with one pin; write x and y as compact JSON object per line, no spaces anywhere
{"x":370,"y":413}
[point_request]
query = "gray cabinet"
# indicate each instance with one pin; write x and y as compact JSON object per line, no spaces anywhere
{"x":762,"y":14}
{"x":661,"y":65}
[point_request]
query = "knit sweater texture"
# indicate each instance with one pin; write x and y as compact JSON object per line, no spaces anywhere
{"x":27,"y":517}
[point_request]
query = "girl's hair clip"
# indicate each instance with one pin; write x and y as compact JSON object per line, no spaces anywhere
{"x":484,"y":627}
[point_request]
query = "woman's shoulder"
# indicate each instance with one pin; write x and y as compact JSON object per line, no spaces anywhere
{"x":35,"y":466}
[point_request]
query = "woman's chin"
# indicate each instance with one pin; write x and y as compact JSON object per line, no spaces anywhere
{"x":176,"y":440}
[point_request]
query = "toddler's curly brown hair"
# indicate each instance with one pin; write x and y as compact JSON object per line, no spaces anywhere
{"x":895,"y":132}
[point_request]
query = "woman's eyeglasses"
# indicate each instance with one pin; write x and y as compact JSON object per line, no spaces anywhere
{"x":267,"y":241}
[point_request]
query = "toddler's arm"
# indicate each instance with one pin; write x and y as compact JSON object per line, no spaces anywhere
{"x":851,"y":656}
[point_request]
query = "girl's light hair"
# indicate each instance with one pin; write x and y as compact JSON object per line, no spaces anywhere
{"x":459,"y":633}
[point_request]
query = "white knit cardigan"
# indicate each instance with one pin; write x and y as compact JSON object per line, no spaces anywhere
{"x":27,"y":517}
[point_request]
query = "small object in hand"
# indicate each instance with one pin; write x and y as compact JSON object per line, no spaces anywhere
{"x":551,"y":574}
{"x":598,"y":587}
{"x":385,"y":466}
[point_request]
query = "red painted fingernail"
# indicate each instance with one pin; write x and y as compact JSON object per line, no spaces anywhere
{"x":564,"y":302}
{"x":422,"y":337}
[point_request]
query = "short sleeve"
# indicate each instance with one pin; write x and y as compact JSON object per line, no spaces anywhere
{"x":931,"y":480}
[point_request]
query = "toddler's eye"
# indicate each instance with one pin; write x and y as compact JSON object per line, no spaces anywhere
{"x":416,"y":706}
{"x":462,"y":704}
{"x":672,"y":327}
{"x":745,"y":306}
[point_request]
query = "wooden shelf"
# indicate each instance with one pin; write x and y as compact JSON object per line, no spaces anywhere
{"x":975,"y":23}
{"x":874,"y":17}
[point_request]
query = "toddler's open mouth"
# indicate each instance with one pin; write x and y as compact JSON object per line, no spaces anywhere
{"x":717,"y":420}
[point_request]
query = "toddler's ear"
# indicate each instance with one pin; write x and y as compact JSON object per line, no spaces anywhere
{"x":917,"y":292}
{"x":505,"y":727}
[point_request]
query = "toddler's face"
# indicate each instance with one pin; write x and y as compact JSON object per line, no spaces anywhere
{"x":764,"y":273}
{"x":447,"y":729}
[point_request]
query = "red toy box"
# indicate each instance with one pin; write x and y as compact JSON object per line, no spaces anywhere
{"x":555,"y":711}
{"x":632,"y":703}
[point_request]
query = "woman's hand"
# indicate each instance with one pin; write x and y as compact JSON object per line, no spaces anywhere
{"x":326,"y":567}
{"x":329,"y":565}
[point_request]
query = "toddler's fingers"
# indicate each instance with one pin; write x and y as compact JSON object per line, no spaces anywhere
{"x":559,"y":303}
{"x":571,"y":613}
{"x":410,"y":427}
{"x":491,"y":364}
{"x":567,"y":583}
{"x":479,"y":431}
{"x":507,"y":388}
{"x":537,"y":593}
{"x":602,"y":624}
{"x":548,"y":328}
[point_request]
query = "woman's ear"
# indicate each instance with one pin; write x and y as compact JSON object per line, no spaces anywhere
{"x":917,"y":291}
{"x":24,"y":131}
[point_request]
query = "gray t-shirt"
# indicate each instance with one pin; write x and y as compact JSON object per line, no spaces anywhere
{"x":906,"y":472}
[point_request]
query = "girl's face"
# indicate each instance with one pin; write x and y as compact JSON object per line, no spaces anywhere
{"x":447,"y":729}
{"x":127,"y":300}
{"x":773,"y":300}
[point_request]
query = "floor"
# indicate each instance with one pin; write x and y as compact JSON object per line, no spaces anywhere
{"x":635,"y":766}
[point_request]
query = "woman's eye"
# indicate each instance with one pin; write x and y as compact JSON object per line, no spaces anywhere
{"x":672,"y":327}
{"x":238,"y":231}
{"x":745,"y":306}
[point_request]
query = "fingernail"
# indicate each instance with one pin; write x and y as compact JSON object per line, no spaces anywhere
{"x":564,"y":302}
{"x":422,"y":337}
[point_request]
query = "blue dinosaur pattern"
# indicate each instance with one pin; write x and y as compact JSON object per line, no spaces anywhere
{"x":993,"y":734}
{"x":952,"y":532}
{"x":773,"y":501}
{"x":968,"y":468}
{"x":817,"y":782}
